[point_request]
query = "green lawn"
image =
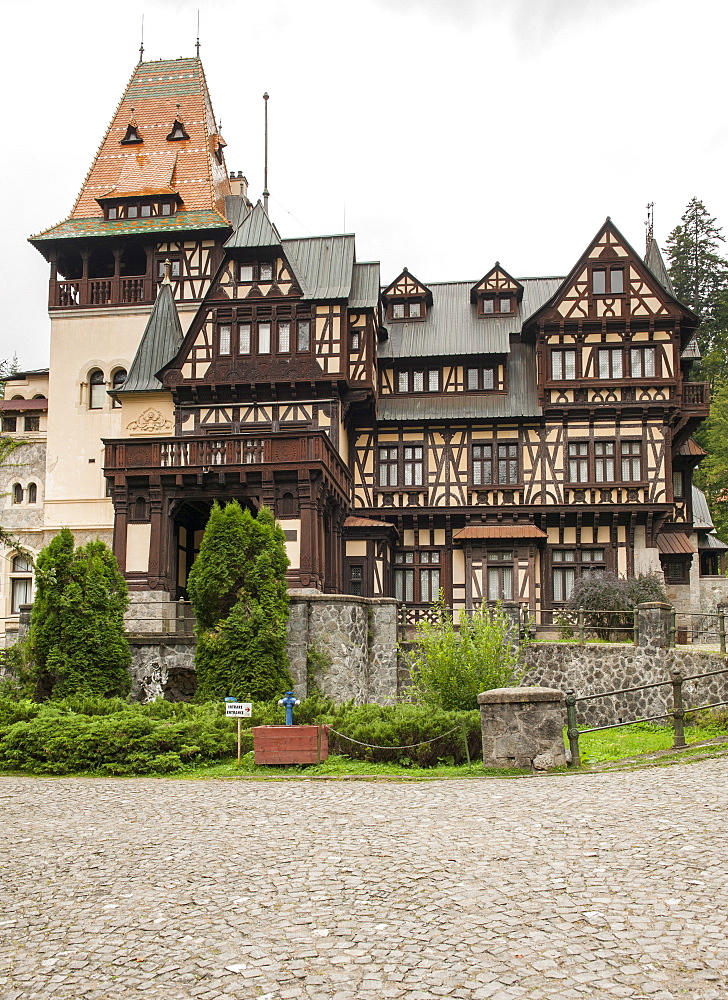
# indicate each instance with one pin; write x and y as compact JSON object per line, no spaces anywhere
{"x":646,"y":737}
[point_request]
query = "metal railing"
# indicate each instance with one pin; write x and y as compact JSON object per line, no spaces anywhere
{"x":677,"y":714}
{"x":696,"y":628}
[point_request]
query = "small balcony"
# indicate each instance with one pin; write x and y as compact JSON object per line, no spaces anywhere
{"x":73,"y":294}
{"x":696,"y":396}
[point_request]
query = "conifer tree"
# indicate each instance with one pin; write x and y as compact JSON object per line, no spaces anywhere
{"x":77,"y":642}
{"x":237,"y":587}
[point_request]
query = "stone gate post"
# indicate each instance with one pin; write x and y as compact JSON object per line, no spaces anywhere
{"x":654,"y":623}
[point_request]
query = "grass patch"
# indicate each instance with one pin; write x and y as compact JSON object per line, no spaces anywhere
{"x":641,"y":738}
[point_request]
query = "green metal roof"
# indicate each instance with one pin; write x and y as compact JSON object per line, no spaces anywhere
{"x":255,"y":230}
{"x":365,"y":286}
{"x":150,"y":82}
{"x":160,"y":342}
{"x":181,"y":221}
{"x":322,"y":265}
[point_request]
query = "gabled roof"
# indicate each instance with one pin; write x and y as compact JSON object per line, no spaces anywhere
{"x":496,"y":280}
{"x":160,"y":343}
{"x":405,"y":284}
{"x":255,"y":230}
{"x":156,"y":95}
{"x":322,"y":265}
{"x":656,"y":264}
{"x":452,"y":326}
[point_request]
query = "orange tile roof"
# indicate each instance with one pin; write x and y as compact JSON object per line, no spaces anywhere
{"x":159,"y":92}
{"x":499,"y":531}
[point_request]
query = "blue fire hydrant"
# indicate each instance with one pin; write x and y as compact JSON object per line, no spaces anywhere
{"x":288,"y":702}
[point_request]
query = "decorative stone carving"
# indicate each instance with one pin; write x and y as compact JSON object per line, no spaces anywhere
{"x":151,"y":421}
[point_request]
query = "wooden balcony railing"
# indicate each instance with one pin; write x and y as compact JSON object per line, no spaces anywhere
{"x":696,"y":394}
{"x":203,"y":454}
{"x":65,"y":294}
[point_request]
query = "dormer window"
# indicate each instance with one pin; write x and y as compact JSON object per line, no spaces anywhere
{"x":178,"y":132}
{"x":497,"y":294}
{"x":131,"y":137}
{"x":608,"y":281}
{"x":218,"y":151}
{"x":407,"y":298}
{"x":137,"y":210}
{"x":263,"y":271}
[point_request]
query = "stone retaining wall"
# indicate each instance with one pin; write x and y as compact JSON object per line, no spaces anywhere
{"x":163,"y":668}
{"x":590,"y":668}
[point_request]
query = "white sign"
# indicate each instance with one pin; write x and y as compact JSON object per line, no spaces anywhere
{"x":239,"y":709}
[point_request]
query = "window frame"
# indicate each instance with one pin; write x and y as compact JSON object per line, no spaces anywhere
{"x":561,"y":352}
{"x":426,"y":563}
{"x":607,"y":270}
{"x":481,"y":378}
{"x":406,"y":304}
{"x":96,"y":389}
{"x":409,"y":374}
{"x":641,"y":351}
{"x":496,"y":564}
{"x":583,"y":561}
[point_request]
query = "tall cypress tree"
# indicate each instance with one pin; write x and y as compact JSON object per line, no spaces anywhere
{"x":700,"y":277}
{"x":77,"y":642}
{"x":238,"y":590}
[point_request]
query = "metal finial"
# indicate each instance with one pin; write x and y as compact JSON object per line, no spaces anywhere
{"x":141,"y":47}
{"x":650,"y":223}
{"x":167,"y":279}
{"x":197,"y":43}
{"x":266,"y":192}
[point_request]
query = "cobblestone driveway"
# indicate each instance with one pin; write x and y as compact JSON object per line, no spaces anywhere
{"x":604,"y":885}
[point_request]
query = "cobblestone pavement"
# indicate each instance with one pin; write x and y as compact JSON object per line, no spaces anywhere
{"x":602,"y":885}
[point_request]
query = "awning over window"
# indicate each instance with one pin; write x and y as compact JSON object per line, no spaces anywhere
{"x":674,"y":544}
{"x":21,"y":405}
{"x":498,"y":531}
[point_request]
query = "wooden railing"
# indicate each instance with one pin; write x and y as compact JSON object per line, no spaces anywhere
{"x":202,"y":454}
{"x":696,"y":393}
{"x":65,"y":294}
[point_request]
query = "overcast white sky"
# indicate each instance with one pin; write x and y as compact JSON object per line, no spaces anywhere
{"x":445,"y":133}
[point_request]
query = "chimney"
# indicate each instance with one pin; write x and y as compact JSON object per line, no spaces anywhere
{"x":239,"y":184}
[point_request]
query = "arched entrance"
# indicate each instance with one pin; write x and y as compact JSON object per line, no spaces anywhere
{"x":190,"y":519}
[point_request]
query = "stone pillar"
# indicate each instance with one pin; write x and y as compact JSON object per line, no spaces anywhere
{"x":522,"y":727}
{"x":654,"y":622}
{"x":24,"y":620}
{"x":512,"y":610}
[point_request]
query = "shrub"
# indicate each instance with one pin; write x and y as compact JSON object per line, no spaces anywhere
{"x":238,"y":590}
{"x":450,"y":665}
{"x":603,"y":594}
{"x":77,"y":643}
{"x":399,"y":726}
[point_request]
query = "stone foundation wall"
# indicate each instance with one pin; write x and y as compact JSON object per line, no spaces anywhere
{"x":350,"y":644}
{"x":594,"y":667}
{"x":162,"y":669}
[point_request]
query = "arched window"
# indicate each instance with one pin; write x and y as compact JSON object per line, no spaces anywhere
{"x":96,"y":390}
{"x":32,"y":493}
{"x":288,"y":505}
{"x":17,"y":397}
{"x":39,"y":395}
{"x":117,"y":381}
{"x":21,"y":584}
{"x":17,"y":493}
{"x":140,"y":509}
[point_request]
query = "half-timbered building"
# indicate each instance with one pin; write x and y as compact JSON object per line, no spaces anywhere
{"x":490,"y":439}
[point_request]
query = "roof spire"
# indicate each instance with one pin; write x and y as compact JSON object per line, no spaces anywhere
{"x":266,"y":192}
{"x":141,"y":46}
{"x":650,"y":224}
{"x":167,"y":279}
{"x":197,"y":43}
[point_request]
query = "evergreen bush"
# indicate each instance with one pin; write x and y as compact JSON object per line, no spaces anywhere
{"x":450,"y":665}
{"x":610,"y":601}
{"x":77,"y":644}
{"x":237,"y":587}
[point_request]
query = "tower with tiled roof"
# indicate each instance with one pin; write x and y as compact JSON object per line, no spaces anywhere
{"x":155,"y":192}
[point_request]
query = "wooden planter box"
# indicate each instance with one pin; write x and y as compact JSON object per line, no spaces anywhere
{"x":290,"y":744}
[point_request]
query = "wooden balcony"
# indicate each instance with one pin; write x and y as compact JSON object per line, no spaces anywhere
{"x":75,"y":294}
{"x":696,"y":396}
{"x":240,"y":452}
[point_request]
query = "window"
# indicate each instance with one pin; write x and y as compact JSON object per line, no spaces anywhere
{"x":97,"y":390}
{"x":506,"y":468}
{"x":145,"y":211}
{"x":500,"y":576}
{"x":579,"y":462}
{"x":507,"y":464}
{"x":417,"y":576}
{"x":17,"y":493}
{"x":504,"y":305}
{"x":418,"y":381}
{"x":488,"y":306}
{"x":21,"y":584}
{"x":356,"y":580}
{"x":608,"y":281}
{"x":31,"y":423}
{"x":166,"y":208}
{"x":570,"y":563}
{"x":479,"y":378}
{"x":304,"y":335}
{"x":388,"y":461}
{"x":284,"y":337}
{"x":174,"y":270}
{"x":482,"y":464}
{"x":224,"y":334}
{"x":563,"y":364}
{"x":631,"y":461}
{"x":407,"y":309}
{"x":131,"y":136}
{"x":355,"y":340}
{"x":117,"y":382}
{"x":10,"y":424}
{"x":676,"y":569}
{"x":112,"y":213}
{"x":32,"y":493}
{"x":609,"y":362}
{"x":604,"y":461}
{"x":131,"y":211}
{"x":678,"y":483}
{"x":266,"y":272}
{"x":246,"y":272}
{"x":642,"y":362}
{"x":263,"y":338}
{"x":414,"y":465}
{"x":244,"y":338}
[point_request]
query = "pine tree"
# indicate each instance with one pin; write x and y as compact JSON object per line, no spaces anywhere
{"x":712,"y":476}
{"x":700,"y":277}
{"x":238,"y":590}
{"x":77,"y":643}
